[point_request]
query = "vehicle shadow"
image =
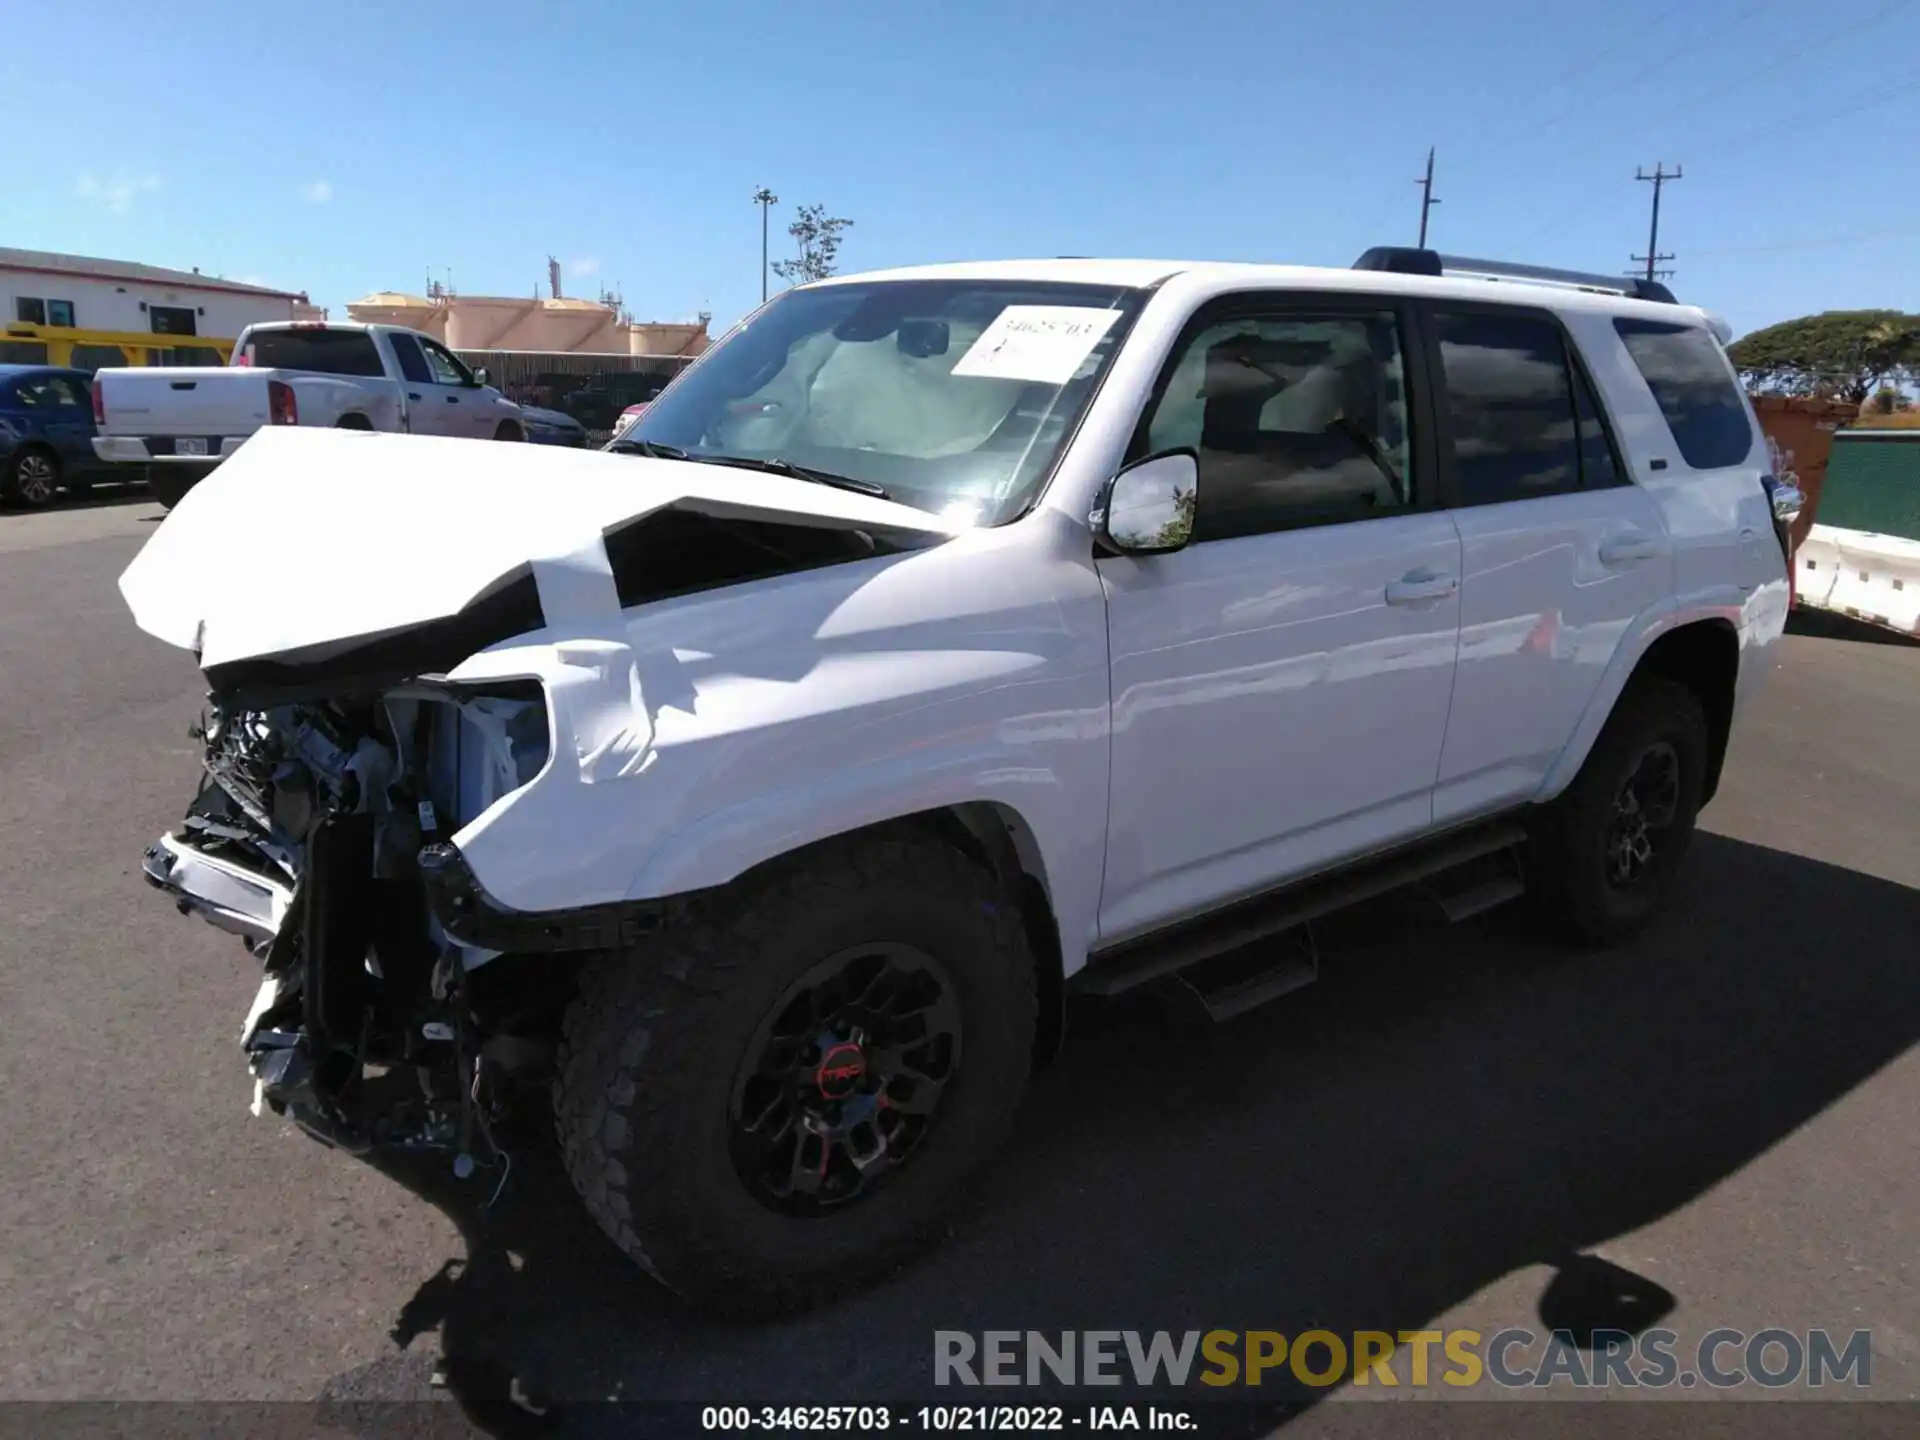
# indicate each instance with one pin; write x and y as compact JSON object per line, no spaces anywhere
{"x":1446,"y":1105}
{"x":1828,"y":625}
{"x":104,"y":493}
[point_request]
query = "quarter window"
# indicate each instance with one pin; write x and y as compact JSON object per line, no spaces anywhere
{"x":1693,"y":385}
{"x":1297,"y":420}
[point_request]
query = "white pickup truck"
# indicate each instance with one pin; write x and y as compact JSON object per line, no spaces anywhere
{"x":180,"y":422}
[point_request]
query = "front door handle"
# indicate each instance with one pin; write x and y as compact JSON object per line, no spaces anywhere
{"x":413,"y":394}
{"x":453,"y":399}
{"x":1629,"y":549}
{"x":1421,"y":587}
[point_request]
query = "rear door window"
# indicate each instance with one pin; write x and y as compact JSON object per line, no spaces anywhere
{"x":320,"y":352}
{"x":1694,"y":387}
{"x":1510,"y":403}
{"x":413,"y":365}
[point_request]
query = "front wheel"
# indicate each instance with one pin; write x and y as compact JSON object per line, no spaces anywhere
{"x":508,"y":431}
{"x":31,"y":479}
{"x":780,"y":1099}
{"x":1604,"y":855}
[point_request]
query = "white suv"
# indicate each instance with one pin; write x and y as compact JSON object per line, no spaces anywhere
{"x":951,"y":638}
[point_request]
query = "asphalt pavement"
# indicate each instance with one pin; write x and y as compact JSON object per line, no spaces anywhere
{"x":1457,"y":1127}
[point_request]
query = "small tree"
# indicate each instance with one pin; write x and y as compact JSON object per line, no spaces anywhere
{"x":1179,"y":530}
{"x":1842,"y":354}
{"x":817,"y":234}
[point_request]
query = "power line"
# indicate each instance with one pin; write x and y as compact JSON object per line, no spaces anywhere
{"x":1745,"y":79}
{"x":1660,"y":176}
{"x":1818,"y":243}
{"x":1673,"y":52}
{"x":1791,"y":57}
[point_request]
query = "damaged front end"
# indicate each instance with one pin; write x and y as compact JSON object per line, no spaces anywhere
{"x":375,"y":733}
{"x":373,"y":1026}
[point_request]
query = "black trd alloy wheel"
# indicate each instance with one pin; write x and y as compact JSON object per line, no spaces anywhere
{"x":844,"y":1079}
{"x":782,"y":1094}
{"x":1603,"y":856}
{"x":1643,"y":813}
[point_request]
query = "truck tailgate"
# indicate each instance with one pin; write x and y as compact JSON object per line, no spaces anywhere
{"x":185,"y":400}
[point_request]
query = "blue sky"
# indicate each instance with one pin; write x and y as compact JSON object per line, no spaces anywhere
{"x":352,"y":147}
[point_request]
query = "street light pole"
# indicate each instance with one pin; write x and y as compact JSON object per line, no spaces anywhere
{"x":766,"y":200}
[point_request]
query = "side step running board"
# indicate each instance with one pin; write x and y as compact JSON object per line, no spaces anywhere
{"x":1485,"y":854}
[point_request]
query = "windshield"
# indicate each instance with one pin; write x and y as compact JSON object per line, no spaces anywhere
{"x":954,"y":396}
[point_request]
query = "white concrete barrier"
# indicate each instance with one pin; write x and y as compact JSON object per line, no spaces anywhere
{"x":1853,"y":572}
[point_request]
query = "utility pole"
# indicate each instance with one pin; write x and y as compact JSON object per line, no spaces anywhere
{"x":766,"y":200}
{"x":1660,"y":176}
{"x":1427,"y":198}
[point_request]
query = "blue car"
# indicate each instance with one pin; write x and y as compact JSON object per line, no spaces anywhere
{"x":552,"y":427}
{"x":46,"y":434}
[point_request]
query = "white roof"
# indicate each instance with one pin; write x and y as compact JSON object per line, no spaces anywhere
{"x":1229,"y":275}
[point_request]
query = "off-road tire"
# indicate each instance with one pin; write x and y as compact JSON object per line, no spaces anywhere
{"x":656,"y":1036}
{"x":1568,"y":840}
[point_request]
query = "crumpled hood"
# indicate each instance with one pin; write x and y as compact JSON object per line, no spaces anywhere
{"x":307,"y":537}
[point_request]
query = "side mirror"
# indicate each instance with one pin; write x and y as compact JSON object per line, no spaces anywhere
{"x":1148,"y":507}
{"x":480,"y":376}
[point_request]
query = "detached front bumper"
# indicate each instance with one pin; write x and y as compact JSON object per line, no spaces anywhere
{"x":229,"y":896}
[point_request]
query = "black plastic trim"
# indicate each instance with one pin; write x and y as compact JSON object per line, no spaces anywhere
{"x":471,"y":916}
{"x":1112,"y":969}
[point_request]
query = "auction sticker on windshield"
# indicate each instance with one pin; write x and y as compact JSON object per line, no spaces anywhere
{"x":1041,"y":343}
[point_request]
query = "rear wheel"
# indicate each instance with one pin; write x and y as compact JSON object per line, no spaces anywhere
{"x":780,"y":1099}
{"x":1603,"y":857}
{"x":31,"y":479}
{"x":353,"y":422}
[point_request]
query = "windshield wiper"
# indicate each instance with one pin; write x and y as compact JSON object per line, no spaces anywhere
{"x":773,"y":466}
{"x":652,"y":449}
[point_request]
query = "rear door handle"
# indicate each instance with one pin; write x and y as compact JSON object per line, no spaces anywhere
{"x":1627,"y":550}
{"x":1420,"y":587}
{"x":453,"y":399}
{"x":413,"y":394}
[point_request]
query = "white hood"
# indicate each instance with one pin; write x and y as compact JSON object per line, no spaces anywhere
{"x":307,"y":536}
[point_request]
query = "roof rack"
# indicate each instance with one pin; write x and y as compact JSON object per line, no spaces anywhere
{"x":1406,"y":260}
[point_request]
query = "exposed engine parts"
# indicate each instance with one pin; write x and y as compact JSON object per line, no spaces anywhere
{"x":372,"y":1028}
